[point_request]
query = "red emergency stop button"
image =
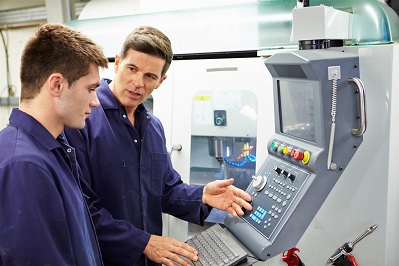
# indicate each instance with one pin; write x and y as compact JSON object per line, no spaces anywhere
{"x":298,"y":155}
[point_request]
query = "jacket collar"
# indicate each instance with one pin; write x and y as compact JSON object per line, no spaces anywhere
{"x":33,"y":128}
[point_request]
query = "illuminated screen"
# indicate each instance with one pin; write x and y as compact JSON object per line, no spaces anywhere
{"x":297,"y":116}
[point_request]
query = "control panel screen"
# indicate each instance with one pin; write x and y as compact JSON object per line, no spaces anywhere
{"x":297,"y":117}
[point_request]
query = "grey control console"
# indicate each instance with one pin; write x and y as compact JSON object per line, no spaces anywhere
{"x":319,"y":106}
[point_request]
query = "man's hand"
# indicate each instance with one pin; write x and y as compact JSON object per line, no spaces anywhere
{"x":167,"y":251}
{"x":222,"y":195}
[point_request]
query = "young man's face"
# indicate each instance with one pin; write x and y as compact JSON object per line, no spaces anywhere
{"x":136,"y":77}
{"x":79,"y":98}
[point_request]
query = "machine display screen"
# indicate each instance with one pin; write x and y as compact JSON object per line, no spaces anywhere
{"x":296,"y":101}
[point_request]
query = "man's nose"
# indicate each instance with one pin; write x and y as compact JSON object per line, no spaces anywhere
{"x":94,"y":102}
{"x":138,"y":80}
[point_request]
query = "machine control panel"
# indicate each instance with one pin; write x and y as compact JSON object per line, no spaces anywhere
{"x":319,"y":124}
{"x":272,"y":202}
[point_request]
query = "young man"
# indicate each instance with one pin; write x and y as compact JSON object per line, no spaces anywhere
{"x":122,"y":152}
{"x":44,"y":219}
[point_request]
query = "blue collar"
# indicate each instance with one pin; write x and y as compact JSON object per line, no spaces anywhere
{"x":32,"y":127}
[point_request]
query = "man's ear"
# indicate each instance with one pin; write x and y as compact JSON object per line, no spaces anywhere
{"x":160,"y":82}
{"x":117,"y":61}
{"x":56,"y":84}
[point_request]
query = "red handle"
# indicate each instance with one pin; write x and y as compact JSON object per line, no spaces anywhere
{"x":291,"y":258}
{"x":352,"y":259}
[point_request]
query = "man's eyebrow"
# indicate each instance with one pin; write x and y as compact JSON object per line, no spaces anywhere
{"x":131,"y":65}
{"x":148,"y":73}
{"x":96,"y":84}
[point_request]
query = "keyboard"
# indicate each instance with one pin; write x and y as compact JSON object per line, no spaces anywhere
{"x":217,"y":248}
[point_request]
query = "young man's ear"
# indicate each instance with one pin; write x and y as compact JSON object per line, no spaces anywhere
{"x":55,"y":83}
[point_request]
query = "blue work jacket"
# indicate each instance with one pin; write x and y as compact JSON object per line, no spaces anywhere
{"x":130,"y":170}
{"x":44,"y":219}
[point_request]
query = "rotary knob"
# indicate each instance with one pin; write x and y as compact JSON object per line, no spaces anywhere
{"x":259,"y":182}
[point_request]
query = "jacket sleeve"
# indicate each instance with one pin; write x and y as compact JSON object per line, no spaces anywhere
{"x":120,"y":241}
{"x":179,"y":199}
{"x":182,"y":200}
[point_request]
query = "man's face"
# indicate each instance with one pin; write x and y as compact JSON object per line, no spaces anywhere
{"x":79,"y":98}
{"x":136,"y":77}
